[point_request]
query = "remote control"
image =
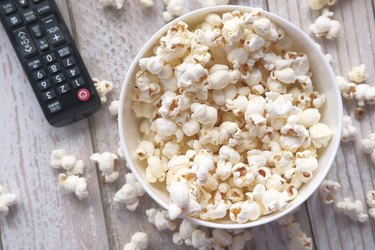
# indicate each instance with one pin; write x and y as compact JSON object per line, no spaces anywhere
{"x":50,"y":59}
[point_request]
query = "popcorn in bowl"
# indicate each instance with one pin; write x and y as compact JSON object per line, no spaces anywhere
{"x":230,"y":120}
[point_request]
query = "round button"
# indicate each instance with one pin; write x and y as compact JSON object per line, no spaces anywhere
{"x":83,"y":95}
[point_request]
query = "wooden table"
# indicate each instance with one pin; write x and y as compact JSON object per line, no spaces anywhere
{"x":45,"y":217}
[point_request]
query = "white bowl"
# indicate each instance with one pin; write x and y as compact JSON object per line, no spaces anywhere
{"x":323,"y":79}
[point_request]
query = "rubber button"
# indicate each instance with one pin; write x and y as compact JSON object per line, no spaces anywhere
{"x":83,"y":95}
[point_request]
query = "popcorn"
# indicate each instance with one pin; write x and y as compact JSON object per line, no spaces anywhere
{"x":6,"y":200}
{"x":199,"y":239}
{"x":328,"y":190}
{"x":160,"y":219}
{"x":370,"y":198}
{"x":147,"y":3}
{"x":61,"y":159}
{"x":319,"y":4}
{"x":368,"y":145}
{"x":364,"y":94}
{"x":358,"y":74}
{"x":130,"y":193}
{"x":106,"y":164}
{"x":113,"y":108}
{"x":347,"y":89}
{"x":104,"y":87}
{"x":240,"y":240}
{"x":118,"y":4}
{"x":139,"y":241}
{"x":349,"y":132}
{"x":214,"y":2}
{"x":354,"y":210}
{"x":320,"y":135}
{"x":174,"y":8}
{"x":74,"y":184}
{"x":230,"y":121}
{"x":325,"y":26}
{"x":298,"y":239}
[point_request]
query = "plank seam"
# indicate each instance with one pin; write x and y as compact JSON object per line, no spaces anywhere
{"x":267,"y":5}
{"x":310,"y":226}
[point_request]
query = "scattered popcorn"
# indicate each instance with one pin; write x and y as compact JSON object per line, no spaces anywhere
{"x":364,"y":94}
{"x":139,"y":241}
{"x":62,"y":159}
{"x":130,"y":193}
{"x":113,"y":108}
{"x":239,"y":241}
{"x":349,"y":131}
{"x":74,"y":184}
{"x":103,"y":87}
{"x":6,"y":200}
{"x":370,"y":199}
{"x":354,"y":210}
{"x":147,"y":3}
{"x":319,"y":4}
{"x":118,"y":4}
{"x":214,"y":2}
{"x":325,"y":26}
{"x":328,"y":190}
{"x":106,"y":164}
{"x":160,"y":219}
{"x":175,"y":8}
{"x":368,"y":145}
{"x":358,"y":113}
{"x":358,"y":74}
{"x":347,"y":89}
{"x":230,"y":121}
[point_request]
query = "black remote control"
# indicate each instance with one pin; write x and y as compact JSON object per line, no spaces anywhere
{"x":50,"y":59}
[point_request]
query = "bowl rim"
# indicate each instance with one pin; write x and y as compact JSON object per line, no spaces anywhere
{"x":146,"y":47}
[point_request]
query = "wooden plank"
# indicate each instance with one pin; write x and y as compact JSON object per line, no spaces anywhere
{"x":45,"y":217}
{"x":352,"y":168}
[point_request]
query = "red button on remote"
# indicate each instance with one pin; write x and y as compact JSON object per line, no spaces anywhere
{"x":83,"y":95}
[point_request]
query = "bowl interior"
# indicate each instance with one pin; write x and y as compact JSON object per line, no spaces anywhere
{"x":323,"y":81}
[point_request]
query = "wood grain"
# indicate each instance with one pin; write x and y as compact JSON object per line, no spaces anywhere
{"x":352,"y":168}
{"x":45,"y":217}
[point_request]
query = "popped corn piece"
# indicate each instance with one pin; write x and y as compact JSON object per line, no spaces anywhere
{"x":118,"y":4}
{"x":347,"y":89}
{"x":174,"y":8}
{"x":61,"y":159}
{"x":349,"y":131}
{"x":147,"y":3}
{"x":368,"y":146}
{"x":164,"y":127}
{"x":113,"y":108}
{"x":199,"y":239}
{"x":160,"y":219}
{"x":328,"y":190}
{"x":364,"y":94}
{"x":242,"y":212}
{"x":204,"y":114}
{"x":214,"y":2}
{"x":216,"y":211}
{"x":6,"y":200}
{"x":144,"y":150}
{"x":358,"y":74}
{"x":320,"y":135}
{"x":154,"y":170}
{"x":274,"y":200}
{"x":103,"y":88}
{"x":239,"y":241}
{"x":130,"y":193}
{"x":74,"y":184}
{"x":370,"y":198}
{"x":319,"y":4}
{"x":221,"y":238}
{"x":106,"y":164}
{"x":57,"y":156}
{"x":139,"y":241}
{"x":325,"y":26}
{"x":179,"y":196}
{"x":353,"y":209}
{"x":309,"y":117}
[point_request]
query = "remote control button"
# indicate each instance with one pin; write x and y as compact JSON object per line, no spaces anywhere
{"x":63,"y":89}
{"x":48,"y":95}
{"x":83,"y":95}
{"x":77,"y":83}
{"x":22,"y":3}
{"x":34,"y":64}
{"x":42,"y":44}
{"x":54,"y":107}
{"x":73,"y":72}
{"x":7,"y":8}
{"x":43,"y":84}
{"x":39,"y":75}
{"x":29,"y":16}
{"x":37,"y":1}
{"x":49,"y":58}
{"x":67,"y":62}
{"x":55,"y":35}
{"x":54,"y":68}
{"x":25,"y":43}
{"x":65,"y":51}
{"x":36,"y":30}
{"x":59,"y":78}
{"x":14,"y":20}
{"x":43,"y":9}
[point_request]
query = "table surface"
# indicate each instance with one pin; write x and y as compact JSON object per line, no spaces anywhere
{"x":45,"y":217}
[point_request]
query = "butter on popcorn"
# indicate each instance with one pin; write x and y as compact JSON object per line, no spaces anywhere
{"x":230,"y":122}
